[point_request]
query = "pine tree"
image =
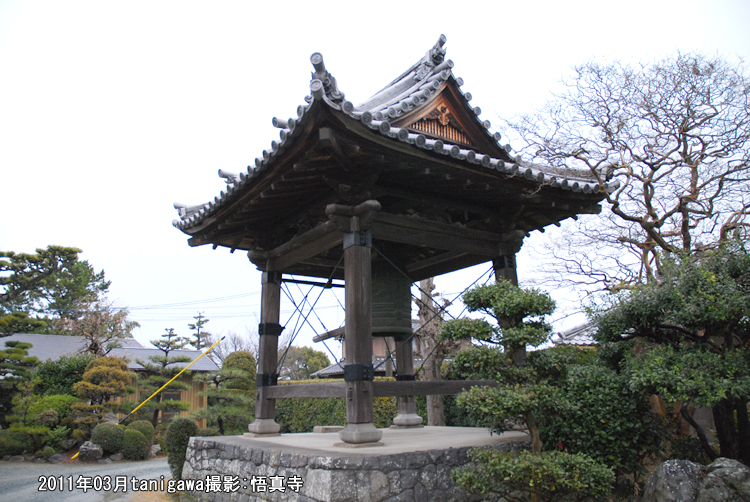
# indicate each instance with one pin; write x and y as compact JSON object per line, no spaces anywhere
{"x":200,"y":337}
{"x":159,"y":370}
{"x":15,"y":369}
{"x":230,"y":394}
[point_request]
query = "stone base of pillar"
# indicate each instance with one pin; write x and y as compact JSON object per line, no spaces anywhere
{"x":360,"y":433}
{"x":407,"y":420}
{"x":265,"y":426}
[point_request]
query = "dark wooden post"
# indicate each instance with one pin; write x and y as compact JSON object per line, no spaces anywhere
{"x":358,"y":370}
{"x":268,"y":330}
{"x":406,"y":405}
{"x":505,"y":270}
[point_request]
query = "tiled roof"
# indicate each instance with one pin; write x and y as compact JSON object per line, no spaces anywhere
{"x":580,"y":335}
{"x":55,"y":346}
{"x":407,"y":93}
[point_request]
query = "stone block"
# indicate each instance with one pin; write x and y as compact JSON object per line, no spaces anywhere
{"x":54,"y":459}
{"x":428,"y":477}
{"x":90,"y":451}
{"x":420,"y":493}
{"x":388,"y":463}
{"x":416,"y":460}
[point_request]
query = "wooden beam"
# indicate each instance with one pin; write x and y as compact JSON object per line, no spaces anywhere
{"x":311,"y":243}
{"x":425,"y":268}
{"x":427,"y":233}
{"x":438,"y":388}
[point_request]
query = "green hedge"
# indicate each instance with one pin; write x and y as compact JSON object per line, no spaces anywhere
{"x":178,"y":436}
{"x":551,"y":476}
{"x":603,"y":419}
{"x":301,"y":415}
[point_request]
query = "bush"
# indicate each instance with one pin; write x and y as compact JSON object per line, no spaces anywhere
{"x":58,"y":377}
{"x":45,"y":452}
{"x":551,"y":476}
{"x":245,"y":361}
{"x":476,"y":363}
{"x":108,"y":436}
{"x":14,"y":442}
{"x":301,"y":415}
{"x":602,"y":419}
{"x":162,"y":442}
{"x":208,"y":432}
{"x":177,"y":439}
{"x":135,"y":446}
{"x":56,"y":435}
{"x":58,"y":402}
{"x":145,"y":428}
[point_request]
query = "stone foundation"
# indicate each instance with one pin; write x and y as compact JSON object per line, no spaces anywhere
{"x":329,"y":474}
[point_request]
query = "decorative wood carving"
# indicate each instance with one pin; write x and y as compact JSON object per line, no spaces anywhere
{"x":441,"y":122}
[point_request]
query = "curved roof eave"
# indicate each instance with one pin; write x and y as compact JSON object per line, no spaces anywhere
{"x":392,"y":102}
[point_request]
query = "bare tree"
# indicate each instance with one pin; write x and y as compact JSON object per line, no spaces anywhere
{"x":432,"y":350}
{"x":102,"y":325}
{"x":669,"y":143}
{"x":232,"y":343}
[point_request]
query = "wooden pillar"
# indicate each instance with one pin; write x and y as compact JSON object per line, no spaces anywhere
{"x":358,"y":370}
{"x":505,"y":268}
{"x":406,"y":405}
{"x":269,"y":330}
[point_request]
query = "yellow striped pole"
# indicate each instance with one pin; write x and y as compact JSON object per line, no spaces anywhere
{"x":164,"y":386}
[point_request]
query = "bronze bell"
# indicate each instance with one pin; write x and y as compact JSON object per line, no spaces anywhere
{"x":391,"y":301}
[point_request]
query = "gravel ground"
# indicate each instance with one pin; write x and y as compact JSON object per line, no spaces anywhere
{"x":19,"y":481}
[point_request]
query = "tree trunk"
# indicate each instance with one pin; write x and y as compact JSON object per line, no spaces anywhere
{"x":432,"y":356}
{"x":536,"y":439}
{"x":707,"y":449}
{"x":725,"y":432}
{"x":743,"y":431}
{"x":536,"y":446}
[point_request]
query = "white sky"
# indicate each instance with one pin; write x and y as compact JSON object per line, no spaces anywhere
{"x":110,"y":111}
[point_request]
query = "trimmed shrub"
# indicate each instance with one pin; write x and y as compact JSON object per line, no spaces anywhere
{"x":108,"y":436}
{"x":135,"y":446}
{"x":603,"y":419}
{"x":208,"y":432}
{"x":145,"y":428}
{"x":13,"y":442}
{"x":551,"y":476}
{"x":58,"y":402}
{"x":177,"y":439}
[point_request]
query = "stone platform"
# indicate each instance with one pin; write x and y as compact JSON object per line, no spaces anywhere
{"x":410,"y":465}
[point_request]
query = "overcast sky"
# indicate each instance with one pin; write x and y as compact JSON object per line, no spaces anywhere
{"x":111,"y":111}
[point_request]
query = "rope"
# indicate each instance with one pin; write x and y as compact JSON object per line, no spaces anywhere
{"x":297,"y":327}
